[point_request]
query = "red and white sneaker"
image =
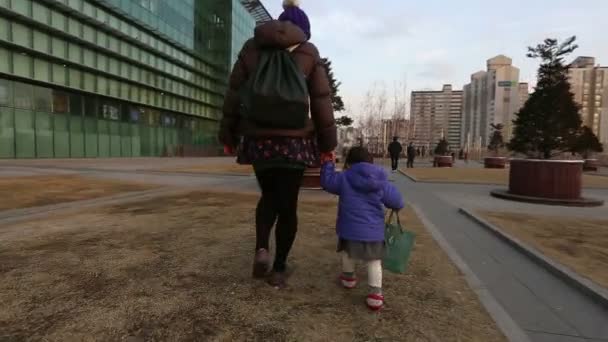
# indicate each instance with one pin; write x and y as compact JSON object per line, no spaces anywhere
{"x":348,"y":282}
{"x":375,"y":302}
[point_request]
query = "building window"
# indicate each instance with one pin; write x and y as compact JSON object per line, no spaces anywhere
{"x":41,"y":70}
{"x":23,"y":95}
{"x":61,"y":102}
{"x":43,"y":99}
{"x":75,"y":76}
{"x":6,"y":93}
{"x":59,"y":74}
{"x":75,"y":104}
{"x":75,"y":53}
{"x":41,"y":41}
{"x":23,"y":7}
{"x":41,"y":13}
{"x":102,"y":39}
{"x":114,"y":66}
{"x":22,"y":35}
{"x":89,"y":58}
{"x":109,"y":110}
{"x":88,"y":34}
{"x":90,"y":106}
{"x":22,"y":65}
{"x":88,"y":81}
{"x":58,"y":47}
{"x":74,"y":27}
{"x":113,"y":44}
{"x":102,"y":85}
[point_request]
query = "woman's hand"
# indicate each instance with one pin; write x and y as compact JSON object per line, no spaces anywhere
{"x":328,"y":157}
{"x":229,"y":151}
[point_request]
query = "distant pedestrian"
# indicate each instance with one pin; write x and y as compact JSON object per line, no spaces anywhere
{"x":364,"y":191}
{"x":411,"y":155}
{"x":395,"y":149}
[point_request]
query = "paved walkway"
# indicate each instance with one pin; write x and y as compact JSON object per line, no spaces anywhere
{"x":543,"y":305}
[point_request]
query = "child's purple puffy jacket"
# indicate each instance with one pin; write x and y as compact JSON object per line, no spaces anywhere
{"x":364,"y":192}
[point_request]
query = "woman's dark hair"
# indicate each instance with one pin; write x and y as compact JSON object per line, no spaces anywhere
{"x":359,"y":154}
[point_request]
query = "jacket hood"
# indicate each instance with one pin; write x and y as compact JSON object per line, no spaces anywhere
{"x":365,"y":177}
{"x":279,"y":34}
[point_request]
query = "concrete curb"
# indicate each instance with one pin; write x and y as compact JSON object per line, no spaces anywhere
{"x":412,"y":178}
{"x":20,"y":215}
{"x":583,"y":284}
{"x":505,"y":322}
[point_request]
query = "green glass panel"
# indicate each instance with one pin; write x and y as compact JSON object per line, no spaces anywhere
{"x":90,"y":137}
{"x":76,"y":137}
{"x":135,"y":141}
{"x":160,"y":141}
{"x":5,"y":55}
{"x":61,"y":137}
{"x":104,"y":138}
{"x":125,"y":139}
{"x":7,"y":133}
{"x":44,"y":135}
{"x":115,"y":138}
{"x":24,"y":134}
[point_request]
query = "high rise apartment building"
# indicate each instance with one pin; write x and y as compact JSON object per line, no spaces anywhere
{"x":435,"y":115}
{"x":493,"y":96}
{"x":590,"y":87}
{"x":116,"y":78}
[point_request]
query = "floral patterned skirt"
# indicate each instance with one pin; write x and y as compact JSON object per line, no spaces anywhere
{"x":254,"y":150}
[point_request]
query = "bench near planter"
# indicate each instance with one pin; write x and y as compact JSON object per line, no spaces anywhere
{"x":591,"y":165}
{"x":444,"y":161}
{"x":557,"y":182}
{"x":495,"y":162}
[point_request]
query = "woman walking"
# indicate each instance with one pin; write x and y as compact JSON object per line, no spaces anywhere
{"x":279,"y":155}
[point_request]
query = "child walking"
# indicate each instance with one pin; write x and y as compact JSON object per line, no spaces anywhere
{"x":364,"y":192}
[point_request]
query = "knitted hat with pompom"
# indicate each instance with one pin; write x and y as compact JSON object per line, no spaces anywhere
{"x":294,"y":14}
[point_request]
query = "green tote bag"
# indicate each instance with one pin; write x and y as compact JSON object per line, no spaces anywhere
{"x":399,"y":244}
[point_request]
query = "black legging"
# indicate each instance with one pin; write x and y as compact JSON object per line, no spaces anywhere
{"x":280,"y":190}
{"x":394,"y":162}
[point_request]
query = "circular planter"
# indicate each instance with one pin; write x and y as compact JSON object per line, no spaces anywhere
{"x":495,"y":162}
{"x":591,"y":165}
{"x":559,"y":179}
{"x":444,"y":161}
{"x":553,"y":182}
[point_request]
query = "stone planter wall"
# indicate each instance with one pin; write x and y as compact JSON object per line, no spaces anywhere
{"x":444,"y":161}
{"x":495,"y":162}
{"x":554,"y":179}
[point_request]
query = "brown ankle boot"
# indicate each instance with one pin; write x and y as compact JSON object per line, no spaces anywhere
{"x":260,"y":263}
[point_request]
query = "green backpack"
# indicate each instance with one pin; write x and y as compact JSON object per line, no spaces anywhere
{"x":276,"y":94}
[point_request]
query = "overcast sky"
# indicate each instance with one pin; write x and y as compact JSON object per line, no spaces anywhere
{"x":432,"y":42}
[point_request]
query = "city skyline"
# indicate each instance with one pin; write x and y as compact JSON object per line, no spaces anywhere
{"x":432,"y":43}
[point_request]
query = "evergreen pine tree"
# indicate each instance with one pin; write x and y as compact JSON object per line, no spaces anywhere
{"x":336,"y":99}
{"x":344,"y":121}
{"x":587,"y":143}
{"x":496,"y":140}
{"x":549,"y":123}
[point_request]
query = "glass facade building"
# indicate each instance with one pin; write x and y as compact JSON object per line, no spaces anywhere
{"x":115,"y":78}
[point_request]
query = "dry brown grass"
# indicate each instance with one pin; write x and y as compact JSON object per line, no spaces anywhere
{"x":483,"y":176}
{"x":581,"y":244}
{"x":224,"y":168}
{"x":25,"y":192}
{"x":178,"y":269}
